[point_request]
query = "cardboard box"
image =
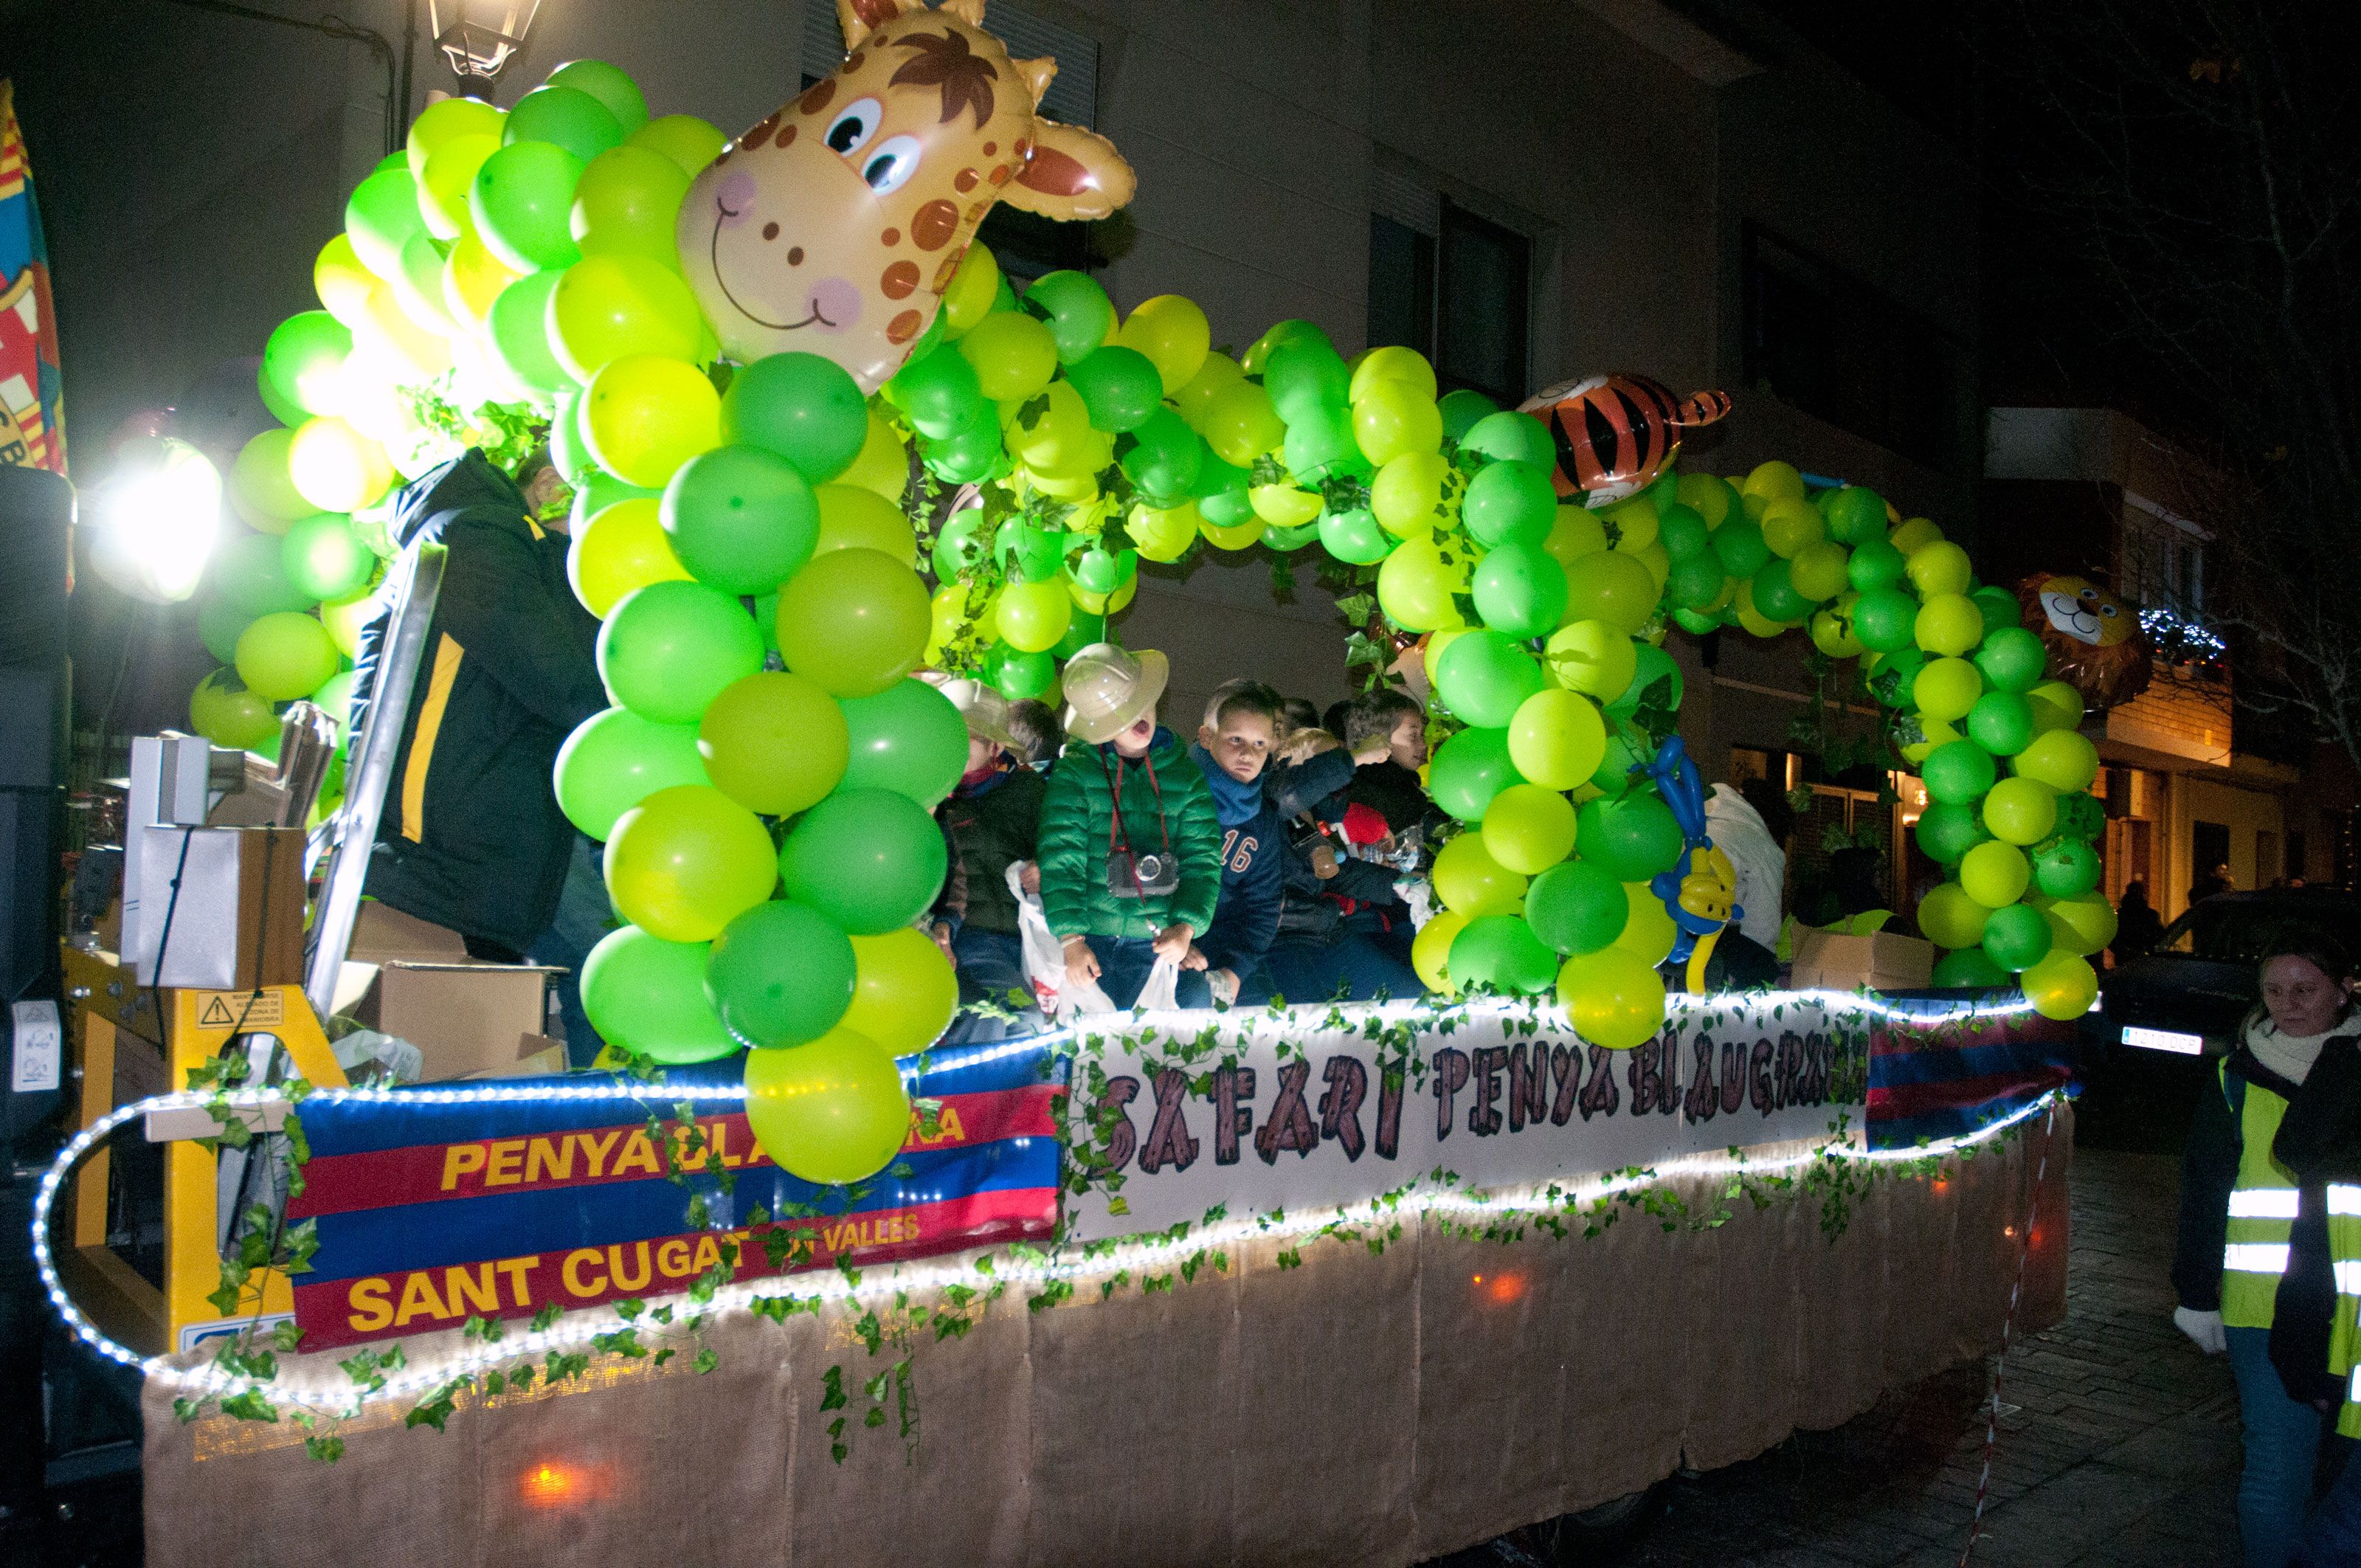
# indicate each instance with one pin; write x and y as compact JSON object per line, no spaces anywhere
{"x":238,"y":920}
{"x":411,"y":979}
{"x":1830,"y":960}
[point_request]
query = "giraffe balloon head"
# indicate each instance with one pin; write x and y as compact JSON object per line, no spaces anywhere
{"x":834,"y":226}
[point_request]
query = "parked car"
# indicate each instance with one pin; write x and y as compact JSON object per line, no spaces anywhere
{"x":2189,"y":996}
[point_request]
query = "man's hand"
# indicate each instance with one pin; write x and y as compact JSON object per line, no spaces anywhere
{"x":1172,"y":942}
{"x":1030,"y":878}
{"x":1196,"y":958}
{"x":1081,"y":964}
{"x":2204,"y":1329}
{"x":942,"y":935}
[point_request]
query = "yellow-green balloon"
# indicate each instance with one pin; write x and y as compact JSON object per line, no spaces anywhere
{"x":774,"y":742}
{"x":854,"y":621}
{"x":832,"y":1111}
{"x":2021,"y":811}
{"x":1467,"y":879}
{"x":1591,"y":657}
{"x":1528,"y":828}
{"x":606,"y":307}
{"x":905,"y":991}
{"x":2062,"y":986}
{"x":1995,"y":874}
{"x":1556,"y":739}
{"x":686,"y":862}
{"x":285,"y":655}
{"x":1615,"y":995}
{"x":1951,"y":918}
{"x":2062,"y":759}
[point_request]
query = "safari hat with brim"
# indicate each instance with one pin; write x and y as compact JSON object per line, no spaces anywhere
{"x":1107,"y":688}
{"x":985,"y":710}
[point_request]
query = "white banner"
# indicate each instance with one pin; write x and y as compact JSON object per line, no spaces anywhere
{"x":1259,"y":1112}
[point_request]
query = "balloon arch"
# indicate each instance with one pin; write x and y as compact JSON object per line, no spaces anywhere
{"x":781,"y":377}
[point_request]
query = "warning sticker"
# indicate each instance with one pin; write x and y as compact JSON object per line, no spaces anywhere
{"x":239,"y":1009}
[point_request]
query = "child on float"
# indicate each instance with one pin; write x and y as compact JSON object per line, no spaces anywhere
{"x":1039,"y":737}
{"x":1234,"y":752}
{"x":992,"y":818}
{"x":1129,"y":845}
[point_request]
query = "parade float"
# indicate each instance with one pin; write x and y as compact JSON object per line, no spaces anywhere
{"x":1351,"y":1283}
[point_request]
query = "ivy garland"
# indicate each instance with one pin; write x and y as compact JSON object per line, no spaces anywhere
{"x":1834,"y":1176}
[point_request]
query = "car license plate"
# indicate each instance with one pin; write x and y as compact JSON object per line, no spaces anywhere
{"x":2164,"y":1040}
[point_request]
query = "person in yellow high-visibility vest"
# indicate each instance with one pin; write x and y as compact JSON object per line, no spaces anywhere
{"x":2254,"y":1237}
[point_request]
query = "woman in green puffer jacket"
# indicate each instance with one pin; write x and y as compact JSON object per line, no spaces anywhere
{"x":1130,"y":848}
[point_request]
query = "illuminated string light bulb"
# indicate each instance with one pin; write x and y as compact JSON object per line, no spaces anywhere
{"x":157,"y":516}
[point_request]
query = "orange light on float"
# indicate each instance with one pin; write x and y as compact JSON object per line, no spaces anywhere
{"x":561,"y":1484}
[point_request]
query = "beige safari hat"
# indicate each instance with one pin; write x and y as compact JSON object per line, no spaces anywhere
{"x":985,"y":710}
{"x":1107,"y":688}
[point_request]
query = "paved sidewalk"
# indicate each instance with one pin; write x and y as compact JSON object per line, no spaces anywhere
{"x":2122,"y":1450}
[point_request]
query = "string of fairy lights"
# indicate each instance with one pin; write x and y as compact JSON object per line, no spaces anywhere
{"x":916,"y":1281}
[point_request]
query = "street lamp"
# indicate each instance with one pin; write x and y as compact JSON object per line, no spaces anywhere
{"x":481,"y":36}
{"x":157,"y":516}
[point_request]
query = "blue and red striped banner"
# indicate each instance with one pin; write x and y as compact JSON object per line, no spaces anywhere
{"x":1943,"y":1078}
{"x":433,"y":1210}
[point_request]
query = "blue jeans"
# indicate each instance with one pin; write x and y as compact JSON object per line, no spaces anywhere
{"x":584,"y":915}
{"x":991,"y":965}
{"x":1315,"y":971}
{"x":1123,"y":963}
{"x":2282,"y":1444}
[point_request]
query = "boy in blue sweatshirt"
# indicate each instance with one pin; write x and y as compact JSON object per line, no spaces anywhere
{"x":1233,"y":748}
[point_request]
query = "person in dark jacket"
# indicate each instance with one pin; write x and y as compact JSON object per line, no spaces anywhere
{"x":471,"y":836}
{"x":2253,"y":1268}
{"x":1233,"y":751}
{"x":2137,"y":927}
{"x":992,"y":817}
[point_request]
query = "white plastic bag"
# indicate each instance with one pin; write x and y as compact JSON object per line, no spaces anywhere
{"x":1158,"y":994}
{"x":1044,"y":956}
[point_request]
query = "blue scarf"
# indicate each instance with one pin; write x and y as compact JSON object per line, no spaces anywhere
{"x":1234,"y":802}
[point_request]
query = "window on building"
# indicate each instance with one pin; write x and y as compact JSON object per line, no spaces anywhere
{"x":1454,"y":285}
{"x":2164,"y":558}
{"x":1026,"y":245}
{"x":1830,"y":345}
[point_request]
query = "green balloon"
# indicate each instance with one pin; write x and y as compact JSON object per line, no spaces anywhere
{"x":1228,"y":507}
{"x":1511,"y":436}
{"x":1020,"y":677}
{"x":870,"y":860}
{"x":1740,"y":545}
{"x":1304,"y":375}
{"x":2067,"y":868}
{"x":2002,"y":723}
{"x":2080,"y":815}
{"x":1577,"y":907}
{"x":2012,"y":660}
{"x":646,"y":996}
{"x":523,"y":202}
{"x":1884,"y":618}
{"x":1875,"y":564}
{"x":666,"y":650}
{"x":335,"y":698}
{"x":780,"y":974}
{"x":741,"y":518}
{"x":1119,"y":387}
{"x":939,"y":394}
{"x":250,"y":573}
{"x":304,"y":360}
{"x":1970,"y":969}
{"x":1075,"y":309}
{"x":1518,"y":589}
{"x":1959,"y":773}
{"x":1682,"y":531}
{"x":1163,"y":466}
{"x":1484,"y":676}
{"x":225,"y":712}
{"x":1650,"y":666}
{"x":381,"y":216}
{"x":1501,"y":951}
{"x":1631,"y":838}
{"x":615,"y":760}
{"x":2017,"y":936}
{"x":1776,"y":598}
{"x":1627,"y":748}
{"x":965,"y":455}
{"x":324,"y":558}
{"x":1945,"y":831}
{"x":628,"y":204}
{"x":519,"y":324}
{"x":1355,"y":538}
{"x":1854,"y":515}
{"x":220,"y":618}
{"x":568,"y":453}
{"x":572,"y":120}
{"x":2001,"y":612}
{"x":1462,"y":410}
{"x":1321,"y":444}
{"x":610,"y":84}
{"x":1469,"y":768}
{"x":688,"y":141}
{"x":805,"y":408}
{"x":1509,"y":502}
{"x":1695,"y":582}
{"x":907,"y":738}
{"x":1893,"y":676}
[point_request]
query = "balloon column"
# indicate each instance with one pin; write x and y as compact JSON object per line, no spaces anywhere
{"x":764,"y":368}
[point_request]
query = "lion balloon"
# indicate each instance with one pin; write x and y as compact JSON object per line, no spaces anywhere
{"x":834,"y":226}
{"x":2095,"y":641}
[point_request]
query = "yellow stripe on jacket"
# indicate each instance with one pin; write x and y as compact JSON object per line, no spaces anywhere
{"x":447,"y":655}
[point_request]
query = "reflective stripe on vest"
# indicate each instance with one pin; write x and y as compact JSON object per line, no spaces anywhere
{"x":2344,"y":1322}
{"x":2262,"y":1209}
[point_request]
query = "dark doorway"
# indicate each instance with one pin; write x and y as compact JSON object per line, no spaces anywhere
{"x":2209,"y":846}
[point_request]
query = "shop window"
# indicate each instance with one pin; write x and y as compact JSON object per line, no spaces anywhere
{"x":1830,"y":345}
